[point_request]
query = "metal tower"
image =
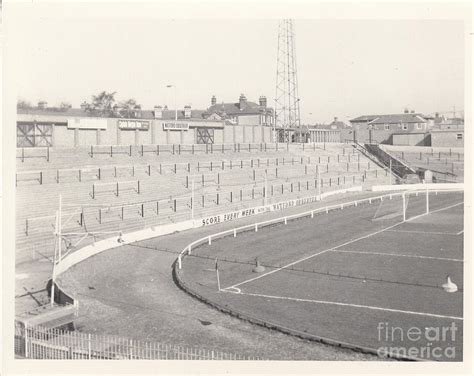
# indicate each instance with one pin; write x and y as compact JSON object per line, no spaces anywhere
{"x":287,"y":102}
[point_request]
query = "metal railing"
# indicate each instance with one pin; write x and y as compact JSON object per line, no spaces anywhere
{"x":311,"y":213}
{"x":35,"y":342}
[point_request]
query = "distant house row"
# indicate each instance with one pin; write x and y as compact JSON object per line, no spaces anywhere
{"x":409,"y":122}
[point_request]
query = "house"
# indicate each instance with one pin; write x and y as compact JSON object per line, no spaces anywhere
{"x":337,"y":124}
{"x":406,"y":122}
{"x":243,"y":112}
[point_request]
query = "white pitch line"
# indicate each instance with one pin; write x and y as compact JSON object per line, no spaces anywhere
{"x":400,"y":255}
{"x":313,"y":255}
{"x":352,"y":305}
{"x":332,"y":248}
{"x":425,"y":232}
{"x":460,"y":232}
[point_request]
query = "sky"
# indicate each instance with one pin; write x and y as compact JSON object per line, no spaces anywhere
{"x":346,"y":68}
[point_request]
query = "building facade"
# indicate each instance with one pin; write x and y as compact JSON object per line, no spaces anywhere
{"x":242,"y":112}
{"x":406,"y":122}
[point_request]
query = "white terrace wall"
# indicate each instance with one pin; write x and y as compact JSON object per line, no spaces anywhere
{"x":112,"y":134}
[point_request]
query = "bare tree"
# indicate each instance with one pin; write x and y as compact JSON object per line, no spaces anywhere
{"x":129,"y":108}
{"x":23,"y":104}
{"x":102,"y":104}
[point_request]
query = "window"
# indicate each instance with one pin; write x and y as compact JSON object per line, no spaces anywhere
{"x":405,"y":127}
{"x":418,"y":125}
{"x":204,"y":136}
{"x":387,"y":127}
{"x":458,"y":136}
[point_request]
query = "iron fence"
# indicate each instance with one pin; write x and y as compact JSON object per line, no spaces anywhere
{"x":34,"y":342}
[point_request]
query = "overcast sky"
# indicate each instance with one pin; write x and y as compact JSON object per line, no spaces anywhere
{"x":346,"y":68}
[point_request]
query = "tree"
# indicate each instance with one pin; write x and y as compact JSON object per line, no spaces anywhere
{"x":23,"y":104}
{"x":102,"y":104}
{"x":128,"y":108}
{"x":65,"y":105}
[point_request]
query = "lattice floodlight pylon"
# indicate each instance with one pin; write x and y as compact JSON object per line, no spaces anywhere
{"x":287,"y":101}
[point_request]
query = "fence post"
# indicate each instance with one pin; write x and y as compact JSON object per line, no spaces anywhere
{"x":130,"y":151}
{"x":157,"y":149}
{"x":173,"y":149}
{"x":98,"y":175}
{"x":174,"y":205}
{"x":41,"y":177}
{"x":217,"y":199}
{"x":230,"y":196}
{"x":89,"y":346}
{"x":47,"y":151}
{"x":138,"y":186}
{"x":57,"y":176}
{"x":117,"y":189}
{"x":26,"y":341}
{"x":111,"y":151}
{"x":22,"y":154}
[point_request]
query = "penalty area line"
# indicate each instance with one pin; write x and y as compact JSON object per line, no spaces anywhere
{"x":335,"y":247}
{"x":399,"y":255}
{"x":313,"y":255}
{"x":350,"y":305}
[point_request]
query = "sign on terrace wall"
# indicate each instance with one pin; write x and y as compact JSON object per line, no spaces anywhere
{"x":176,"y":126}
{"x":87,"y":123}
{"x":141,"y":125}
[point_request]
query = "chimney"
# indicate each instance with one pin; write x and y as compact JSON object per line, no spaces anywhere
{"x":335,"y":118}
{"x":437,"y":115}
{"x":412,"y":111}
{"x":137,"y":111}
{"x":213,"y":100}
{"x":158,"y":112}
{"x":83,"y":106}
{"x":242,"y":100}
{"x":42,"y":105}
{"x":262,"y":101}
{"x":406,"y":111}
{"x":187,"y":111}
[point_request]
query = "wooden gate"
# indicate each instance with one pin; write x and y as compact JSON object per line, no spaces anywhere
{"x":204,"y":136}
{"x":34,"y":135}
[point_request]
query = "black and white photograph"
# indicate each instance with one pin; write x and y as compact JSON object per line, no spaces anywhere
{"x":236,"y":187}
